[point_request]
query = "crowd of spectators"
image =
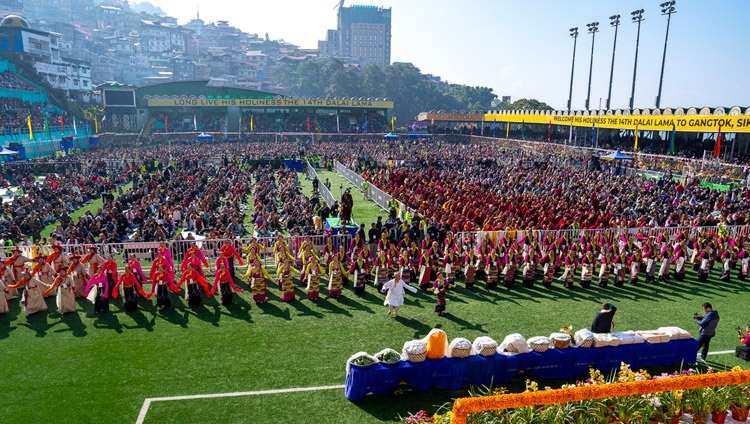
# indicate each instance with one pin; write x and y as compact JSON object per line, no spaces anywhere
{"x":11,"y":81}
{"x":14,"y":115}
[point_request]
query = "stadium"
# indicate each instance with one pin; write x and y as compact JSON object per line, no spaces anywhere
{"x":194,"y":251}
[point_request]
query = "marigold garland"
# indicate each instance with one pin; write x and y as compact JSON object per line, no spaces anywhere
{"x":464,"y":406}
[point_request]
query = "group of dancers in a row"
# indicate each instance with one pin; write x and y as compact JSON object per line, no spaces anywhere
{"x":432,"y":264}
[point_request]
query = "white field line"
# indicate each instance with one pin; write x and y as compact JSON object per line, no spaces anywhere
{"x":721,"y":352}
{"x":148,"y":401}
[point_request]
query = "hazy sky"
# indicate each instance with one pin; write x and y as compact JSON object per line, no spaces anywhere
{"x":522,"y":48}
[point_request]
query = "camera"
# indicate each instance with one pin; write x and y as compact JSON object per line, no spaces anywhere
{"x":697,"y":316}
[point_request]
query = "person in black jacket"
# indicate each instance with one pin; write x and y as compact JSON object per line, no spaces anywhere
{"x":603,"y":320}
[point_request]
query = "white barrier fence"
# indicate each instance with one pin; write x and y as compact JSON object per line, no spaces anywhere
{"x":322,"y":189}
{"x":377,"y":195}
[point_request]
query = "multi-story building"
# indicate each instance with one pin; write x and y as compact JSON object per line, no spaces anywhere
{"x":363,"y":35}
{"x":42,"y":50}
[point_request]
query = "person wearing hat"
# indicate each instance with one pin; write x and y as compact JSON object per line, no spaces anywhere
{"x":42,"y":270}
{"x":57,"y":257}
{"x":97,"y":291}
{"x":77,"y":272}
{"x":17,"y":262}
{"x":110,"y":270}
{"x":33,"y":297}
{"x":130,"y":289}
{"x":6,"y":278}
{"x":3,"y":290}
{"x":93,"y":259}
{"x":65,"y":301}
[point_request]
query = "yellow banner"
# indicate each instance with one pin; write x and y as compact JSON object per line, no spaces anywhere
{"x":692,"y":123}
{"x":275,"y":103}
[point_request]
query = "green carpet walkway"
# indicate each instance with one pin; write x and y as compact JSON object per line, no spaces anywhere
{"x":363,"y":212}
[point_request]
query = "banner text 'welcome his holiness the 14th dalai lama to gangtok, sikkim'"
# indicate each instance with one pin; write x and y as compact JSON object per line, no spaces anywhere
{"x":273,"y":103}
{"x":692,"y":123}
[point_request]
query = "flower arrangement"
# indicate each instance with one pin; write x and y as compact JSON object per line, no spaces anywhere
{"x":625,"y":396}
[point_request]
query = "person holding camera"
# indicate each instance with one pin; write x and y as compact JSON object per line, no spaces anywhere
{"x":707,"y":323}
{"x":743,"y":351}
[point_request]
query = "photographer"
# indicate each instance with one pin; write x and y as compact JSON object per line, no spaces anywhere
{"x":603,"y":320}
{"x":707,"y":323}
{"x":743,"y":351}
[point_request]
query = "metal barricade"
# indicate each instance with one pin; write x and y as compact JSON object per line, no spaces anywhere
{"x":322,"y":189}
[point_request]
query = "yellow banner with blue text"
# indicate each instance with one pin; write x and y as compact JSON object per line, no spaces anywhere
{"x":690,"y":123}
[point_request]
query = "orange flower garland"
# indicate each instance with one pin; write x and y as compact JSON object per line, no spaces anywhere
{"x":464,"y":406}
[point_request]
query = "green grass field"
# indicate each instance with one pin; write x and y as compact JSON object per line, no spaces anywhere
{"x":86,"y":368}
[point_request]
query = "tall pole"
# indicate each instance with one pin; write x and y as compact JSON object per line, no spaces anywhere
{"x":637,"y":17}
{"x":667,"y":8}
{"x":593,"y":29}
{"x":615,"y":22}
{"x":574,"y":34}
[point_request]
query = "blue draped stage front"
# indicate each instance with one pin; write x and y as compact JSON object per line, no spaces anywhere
{"x":455,"y":373}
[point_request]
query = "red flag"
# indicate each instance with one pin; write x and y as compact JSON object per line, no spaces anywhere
{"x":717,"y":150}
{"x":62,"y":124}
{"x":166,"y":123}
{"x":549,"y":130}
{"x":308,"y":123}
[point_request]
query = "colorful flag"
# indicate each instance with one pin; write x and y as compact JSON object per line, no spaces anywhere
{"x":195,"y":123}
{"x":671,"y":139}
{"x":507,"y":129}
{"x":338,"y":126}
{"x":31,"y":132}
{"x":635,"y":145}
{"x":570,"y":134}
{"x":393,"y":123}
{"x":62,"y":125}
{"x":308,"y":123}
{"x":166,"y":123}
{"x":717,"y":150}
{"x":549,"y":130}
{"x":75,"y":129}
{"x":251,"y":123}
{"x":593,"y":132}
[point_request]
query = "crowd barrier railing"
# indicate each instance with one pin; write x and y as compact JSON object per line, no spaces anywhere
{"x":375,"y":194}
{"x":322,"y":189}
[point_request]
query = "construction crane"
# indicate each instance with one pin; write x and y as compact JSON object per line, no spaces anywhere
{"x":339,"y":4}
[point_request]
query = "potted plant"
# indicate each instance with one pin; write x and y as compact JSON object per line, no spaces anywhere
{"x":719,"y":401}
{"x":672,"y":406}
{"x":740,"y":395}
{"x":697,"y":401}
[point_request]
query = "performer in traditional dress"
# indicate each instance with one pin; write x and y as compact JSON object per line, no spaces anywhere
{"x":57,"y":258}
{"x":313,"y":272}
{"x":110,"y":270}
{"x":17,"y":262}
{"x":395,"y":297}
{"x":229,"y":254}
{"x":570,"y":269}
{"x":336,"y":274}
{"x":605,"y":268}
{"x":450,"y":265}
{"x":164,"y":252}
{"x":131,"y":287}
{"x":258,"y":276}
{"x":587,"y":269}
{"x":665,"y":256}
{"x":284,"y":277}
{"x":33,"y":296}
{"x":680,"y":260}
{"x":744,"y":259}
{"x":620,"y":269}
{"x":280,"y":250}
{"x":161,"y":283}
{"x":66,"y":299}
{"x":224,"y":284}
{"x":470,"y":266}
{"x":135,"y":267}
{"x":97,"y":291}
{"x":634,"y":261}
{"x":77,"y":272}
{"x":550,"y":261}
{"x":44,"y":272}
{"x":194,"y":251}
{"x":93,"y":259}
{"x":251,"y":251}
{"x":509,"y":263}
{"x":360,"y":269}
{"x":329,"y":250}
{"x":529,"y":268}
{"x":439,"y":289}
{"x":381,"y":270}
{"x":7,"y":278}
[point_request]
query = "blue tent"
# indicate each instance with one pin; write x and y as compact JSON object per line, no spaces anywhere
{"x":390,"y":136}
{"x":617,"y":155}
{"x":205,"y":137}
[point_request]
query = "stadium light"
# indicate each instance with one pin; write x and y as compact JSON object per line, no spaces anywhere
{"x":636,"y":16}
{"x":593,"y":29}
{"x":614,"y":20}
{"x":667,"y":8}
{"x":574,"y":34}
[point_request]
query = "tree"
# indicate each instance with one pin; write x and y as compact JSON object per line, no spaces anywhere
{"x":532,"y":104}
